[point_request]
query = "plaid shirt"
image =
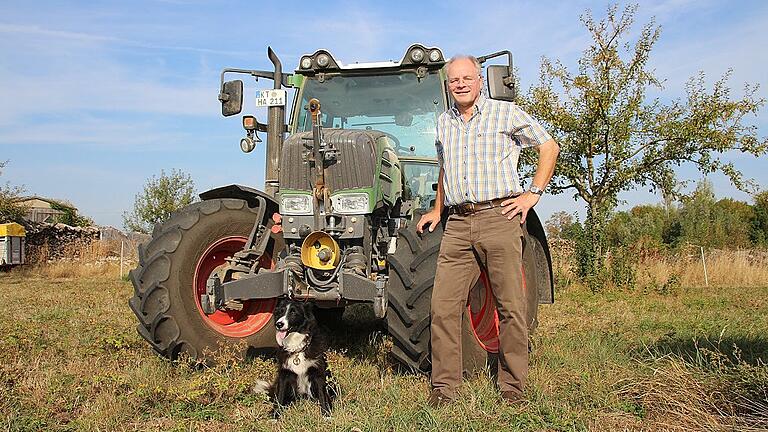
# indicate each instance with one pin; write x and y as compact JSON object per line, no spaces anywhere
{"x":480,"y":156}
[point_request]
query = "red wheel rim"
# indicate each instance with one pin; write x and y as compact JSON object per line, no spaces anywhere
{"x":483,"y":315}
{"x":482,"y":312}
{"x":255,"y":313}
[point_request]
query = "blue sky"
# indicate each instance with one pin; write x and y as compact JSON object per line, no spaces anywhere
{"x":96,"y":97}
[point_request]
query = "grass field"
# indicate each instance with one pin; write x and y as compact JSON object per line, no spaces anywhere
{"x":692,"y":359}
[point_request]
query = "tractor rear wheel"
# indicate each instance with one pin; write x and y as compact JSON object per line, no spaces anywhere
{"x":410,"y":290}
{"x":172,"y":273}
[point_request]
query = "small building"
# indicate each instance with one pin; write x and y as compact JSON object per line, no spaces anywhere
{"x":41,"y":209}
{"x":12,"y":245}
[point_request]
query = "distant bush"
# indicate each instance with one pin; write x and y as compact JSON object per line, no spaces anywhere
{"x":70,"y":216}
{"x":648,"y":233}
{"x":699,"y":219}
{"x":10,"y":209}
{"x":160,"y":198}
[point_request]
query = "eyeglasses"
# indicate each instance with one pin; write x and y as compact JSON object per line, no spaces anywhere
{"x":467,"y":80}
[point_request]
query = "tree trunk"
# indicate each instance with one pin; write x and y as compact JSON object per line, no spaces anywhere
{"x":592,"y":250}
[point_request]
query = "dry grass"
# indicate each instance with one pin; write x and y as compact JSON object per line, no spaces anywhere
{"x":683,"y":269}
{"x":70,"y":359}
{"x":724,"y":268}
{"x":97,"y":258}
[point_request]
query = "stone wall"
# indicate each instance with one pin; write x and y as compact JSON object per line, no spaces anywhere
{"x":46,"y":241}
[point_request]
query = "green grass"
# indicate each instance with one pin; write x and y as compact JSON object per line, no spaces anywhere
{"x":70,"y":359}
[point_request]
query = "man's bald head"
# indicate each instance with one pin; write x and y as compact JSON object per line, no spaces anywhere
{"x":458,"y":57}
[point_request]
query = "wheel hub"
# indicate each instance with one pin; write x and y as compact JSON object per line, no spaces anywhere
{"x":254,"y":315}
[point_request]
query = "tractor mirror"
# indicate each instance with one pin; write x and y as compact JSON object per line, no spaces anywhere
{"x":501,"y":85}
{"x":231,"y":98}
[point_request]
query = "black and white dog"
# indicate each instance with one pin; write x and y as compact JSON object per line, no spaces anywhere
{"x":302,"y":367}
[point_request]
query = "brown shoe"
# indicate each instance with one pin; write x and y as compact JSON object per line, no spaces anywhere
{"x":438,"y":399}
{"x":513,"y":398}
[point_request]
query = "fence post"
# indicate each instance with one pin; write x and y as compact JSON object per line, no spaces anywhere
{"x":704,"y":263}
{"x":122,"y":247}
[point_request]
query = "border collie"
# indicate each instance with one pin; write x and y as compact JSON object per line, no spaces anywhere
{"x":302,"y":367}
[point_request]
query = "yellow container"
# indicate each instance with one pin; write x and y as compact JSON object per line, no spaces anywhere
{"x":12,"y":230}
{"x":12,"y":244}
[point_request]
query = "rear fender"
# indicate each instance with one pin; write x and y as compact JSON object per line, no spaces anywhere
{"x":546,"y":286}
{"x":266,"y":207}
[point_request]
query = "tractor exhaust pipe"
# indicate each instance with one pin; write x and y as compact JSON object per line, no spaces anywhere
{"x":275,"y":130}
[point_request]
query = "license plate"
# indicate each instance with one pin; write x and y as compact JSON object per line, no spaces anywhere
{"x":268,"y":98}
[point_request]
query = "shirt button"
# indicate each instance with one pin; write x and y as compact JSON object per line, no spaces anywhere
{"x":479,"y":135}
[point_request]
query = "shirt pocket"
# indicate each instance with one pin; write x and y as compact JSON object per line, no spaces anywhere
{"x":494,"y":146}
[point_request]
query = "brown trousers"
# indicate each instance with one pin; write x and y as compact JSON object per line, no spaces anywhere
{"x":484,"y":241}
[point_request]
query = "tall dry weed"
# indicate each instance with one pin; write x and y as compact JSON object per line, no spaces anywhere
{"x":708,"y":392}
{"x":724,"y":268}
{"x":83,"y":259}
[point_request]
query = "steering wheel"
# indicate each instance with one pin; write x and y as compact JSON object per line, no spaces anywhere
{"x":398,"y":147}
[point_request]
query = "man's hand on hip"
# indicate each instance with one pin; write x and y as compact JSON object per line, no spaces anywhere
{"x":432,"y":219}
{"x":519,"y":204}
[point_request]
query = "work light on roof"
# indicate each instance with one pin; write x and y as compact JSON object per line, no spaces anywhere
{"x":323,"y":60}
{"x":417,"y":55}
{"x":434,"y":55}
{"x":306,"y":62}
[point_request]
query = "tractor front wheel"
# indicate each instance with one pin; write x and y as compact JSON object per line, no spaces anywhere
{"x":172,"y":273}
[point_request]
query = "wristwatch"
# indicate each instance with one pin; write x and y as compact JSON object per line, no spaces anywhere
{"x":536,"y":190}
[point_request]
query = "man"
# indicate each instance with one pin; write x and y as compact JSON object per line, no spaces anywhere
{"x":478,"y":145}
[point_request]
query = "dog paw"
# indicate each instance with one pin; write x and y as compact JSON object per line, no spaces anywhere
{"x":261,"y":387}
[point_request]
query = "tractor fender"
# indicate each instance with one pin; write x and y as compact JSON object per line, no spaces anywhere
{"x":546,"y":285}
{"x":250,"y":195}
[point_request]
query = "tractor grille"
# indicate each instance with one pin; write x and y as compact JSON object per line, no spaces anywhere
{"x":355,"y":165}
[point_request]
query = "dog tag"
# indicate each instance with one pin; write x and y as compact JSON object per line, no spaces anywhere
{"x":296,"y":360}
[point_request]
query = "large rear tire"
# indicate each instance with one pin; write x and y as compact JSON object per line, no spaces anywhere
{"x":410,"y":290}
{"x":173,"y":269}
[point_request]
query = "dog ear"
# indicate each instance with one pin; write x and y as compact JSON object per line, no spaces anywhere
{"x":309,"y":309}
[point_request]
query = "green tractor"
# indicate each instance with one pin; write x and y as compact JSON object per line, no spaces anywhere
{"x":336,"y":222}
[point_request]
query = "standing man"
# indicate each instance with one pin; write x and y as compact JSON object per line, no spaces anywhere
{"x":478,"y":146}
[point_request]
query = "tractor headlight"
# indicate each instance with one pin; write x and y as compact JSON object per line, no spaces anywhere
{"x":323,"y":60}
{"x":296,"y":204}
{"x":417,"y":55}
{"x":353,"y":203}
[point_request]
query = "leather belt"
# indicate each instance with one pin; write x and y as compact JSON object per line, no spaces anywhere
{"x":472,"y":208}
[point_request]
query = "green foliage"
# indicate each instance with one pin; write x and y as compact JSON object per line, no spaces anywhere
{"x":643,"y":226}
{"x":10,"y":209}
{"x":562,"y":225}
{"x":623,"y":268}
{"x":613,"y":138}
{"x":759,"y":229}
{"x":700,"y":219}
{"x":70,"y":216}
{"x":725,"y":223}
{"x":161,"y":197}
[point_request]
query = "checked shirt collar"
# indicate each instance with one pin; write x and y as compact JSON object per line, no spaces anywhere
{"x":480,"y":103}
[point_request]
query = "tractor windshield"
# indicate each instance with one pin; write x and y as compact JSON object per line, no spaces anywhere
{"x":403,"y":106}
